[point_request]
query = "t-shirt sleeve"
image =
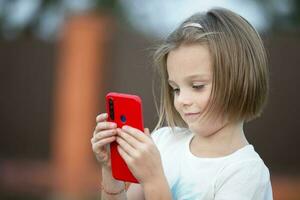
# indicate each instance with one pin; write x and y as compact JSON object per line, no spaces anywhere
{"x":247,"y":180}
{"x":160,"y":136}
{"x":155,"y":135}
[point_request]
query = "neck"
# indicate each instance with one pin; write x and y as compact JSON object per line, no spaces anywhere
{"x":224,"y":141}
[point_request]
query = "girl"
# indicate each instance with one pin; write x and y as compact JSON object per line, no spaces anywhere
{"x":214,"y":77}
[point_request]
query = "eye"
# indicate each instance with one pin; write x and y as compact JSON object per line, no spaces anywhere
{"x":198,"y":87}
{"x":175,"y":90}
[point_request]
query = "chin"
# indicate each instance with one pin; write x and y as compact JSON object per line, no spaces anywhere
{"x":196,"y":128}
{"x":200,"y":130}
{"x":204,"y":130}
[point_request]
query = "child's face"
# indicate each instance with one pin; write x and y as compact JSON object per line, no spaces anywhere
{"x":190,"y":75}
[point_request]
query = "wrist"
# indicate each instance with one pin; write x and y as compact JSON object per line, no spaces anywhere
{"x":109,"y":184}
{"x":113,"y":192}
{"x":157,"y":189}
{"x":106,"y":168}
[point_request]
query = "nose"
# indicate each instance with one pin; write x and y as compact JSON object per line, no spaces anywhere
{"x":184,"y":99}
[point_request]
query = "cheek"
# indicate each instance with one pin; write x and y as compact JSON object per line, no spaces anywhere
{"x":204,"y":101}
{"x":205,"y":97}
{"x":176,"y":105}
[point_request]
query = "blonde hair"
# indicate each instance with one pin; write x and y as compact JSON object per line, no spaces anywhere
{"x":239,"y":66}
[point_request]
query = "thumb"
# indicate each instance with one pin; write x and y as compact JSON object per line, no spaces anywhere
{"x":146,"y":131}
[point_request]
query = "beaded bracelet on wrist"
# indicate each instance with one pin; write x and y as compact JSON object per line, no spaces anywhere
{"x":113,"y":193}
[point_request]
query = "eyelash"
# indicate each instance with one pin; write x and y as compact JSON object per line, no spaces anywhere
{"x":196,"y":87}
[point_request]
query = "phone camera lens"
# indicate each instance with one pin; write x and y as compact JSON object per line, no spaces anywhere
{"x":123,"y":118}
{"x":111,"y":109}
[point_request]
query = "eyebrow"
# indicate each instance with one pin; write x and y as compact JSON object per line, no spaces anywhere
{"x":194,"y":76}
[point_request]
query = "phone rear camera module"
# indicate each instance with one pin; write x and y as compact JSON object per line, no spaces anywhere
{"x":111,"y":109}
{"x":112,"y":116}
{"x":123,"y":118}
{"x":110,"y":102}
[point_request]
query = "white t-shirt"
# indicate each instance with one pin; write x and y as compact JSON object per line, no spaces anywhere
{"x":241,"y":175}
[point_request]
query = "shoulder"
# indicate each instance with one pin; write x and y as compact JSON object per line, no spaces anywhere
{"x":251,"y":168}
{"x":166,"y":135}
{"x":165,"y":132}
{"x":244,"y":162}
{"x":247,"y":176}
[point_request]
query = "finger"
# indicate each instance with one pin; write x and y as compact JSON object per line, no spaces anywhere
{"x":105,"y":125}
{"x":102,"y":117}
{"x":128,"y":138}
{"x":124,"y":155}
{"x":136,"y":133}
{"x":98,"y":145}
{"x":126,"y":146}
{"x":104,"y":134}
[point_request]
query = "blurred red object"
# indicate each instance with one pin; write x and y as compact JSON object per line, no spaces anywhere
{"x":77,"y":91}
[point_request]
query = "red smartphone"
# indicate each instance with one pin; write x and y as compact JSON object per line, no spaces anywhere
{"x":123,"y":109}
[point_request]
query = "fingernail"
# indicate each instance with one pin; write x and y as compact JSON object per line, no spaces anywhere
{"x":113,"y":125}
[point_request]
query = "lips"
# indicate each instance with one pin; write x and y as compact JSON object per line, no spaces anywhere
{"x":191,"y":116}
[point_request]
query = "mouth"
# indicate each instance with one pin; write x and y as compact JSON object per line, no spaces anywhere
{"x":191,"y":113}
{"x":191,"y":116}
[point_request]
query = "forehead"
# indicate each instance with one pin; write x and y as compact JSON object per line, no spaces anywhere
{"x":189,"y":60}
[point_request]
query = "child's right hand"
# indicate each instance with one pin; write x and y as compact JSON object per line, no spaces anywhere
{"x":104,"y":133}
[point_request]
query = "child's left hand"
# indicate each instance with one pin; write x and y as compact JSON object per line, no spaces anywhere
{"x":140,"y":153}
